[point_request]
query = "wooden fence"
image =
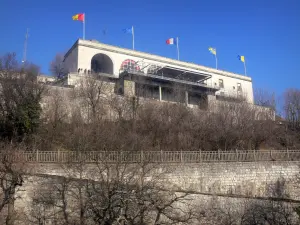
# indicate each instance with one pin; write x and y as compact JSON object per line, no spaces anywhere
{"x":159,"y":156}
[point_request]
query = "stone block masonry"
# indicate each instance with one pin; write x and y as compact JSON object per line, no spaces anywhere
{"x":239,"y":178}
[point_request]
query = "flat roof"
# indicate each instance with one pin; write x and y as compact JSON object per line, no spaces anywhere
{"x":160,"y":59}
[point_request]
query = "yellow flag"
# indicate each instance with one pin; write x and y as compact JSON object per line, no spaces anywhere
{"x":213,"y":50}
{"x":241,"y":57}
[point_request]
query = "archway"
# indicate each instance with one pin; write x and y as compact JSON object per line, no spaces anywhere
{"x":102,"y":63}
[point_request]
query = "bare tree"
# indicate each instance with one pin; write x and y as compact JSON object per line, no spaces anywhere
{"x":270,"y":211}
{"x":292,"y":108}
{"x":134,"y":194}
{"x":94,"y":93}
{"x":56,"y":116}
{"x":12,"y":172}
{"x":112,"y":193}
{"x":219,"y":211}
{"x":51,"y":202}
{"x":265,"y":98}
{"x":57,"y":67}
{"x":124,"y":107}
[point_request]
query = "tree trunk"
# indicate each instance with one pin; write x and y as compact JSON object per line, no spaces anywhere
{"x":10,"y":214}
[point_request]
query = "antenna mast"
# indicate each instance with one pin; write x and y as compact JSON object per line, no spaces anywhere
{"x":25,"y":46}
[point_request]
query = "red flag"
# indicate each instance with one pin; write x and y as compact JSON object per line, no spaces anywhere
{"x":79,"y":17}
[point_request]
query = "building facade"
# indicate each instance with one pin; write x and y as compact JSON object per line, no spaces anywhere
{"x":151,"y":76}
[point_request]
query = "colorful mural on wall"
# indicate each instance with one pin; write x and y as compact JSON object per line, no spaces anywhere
{"x":129,"y":65}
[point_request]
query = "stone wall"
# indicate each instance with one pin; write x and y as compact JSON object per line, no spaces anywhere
{"x":240,"y":178}
{"x":236,"y":180}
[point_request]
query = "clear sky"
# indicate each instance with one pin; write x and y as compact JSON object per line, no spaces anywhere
{"x":267,"y":32}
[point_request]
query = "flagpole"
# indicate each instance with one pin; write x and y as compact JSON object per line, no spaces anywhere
{"x":132,"y":38}
{"x":245,"y":68}
{"x":216,"y":60}
{"x":83,"y":26}
{"x":177,"y":44}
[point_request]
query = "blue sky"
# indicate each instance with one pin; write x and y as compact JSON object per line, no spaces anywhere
{"x":266,"y":32}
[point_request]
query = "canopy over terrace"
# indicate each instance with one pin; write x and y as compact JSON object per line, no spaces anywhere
{"x":168,"y":76}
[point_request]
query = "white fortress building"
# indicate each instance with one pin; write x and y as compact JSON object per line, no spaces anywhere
{"x":152,"y":76}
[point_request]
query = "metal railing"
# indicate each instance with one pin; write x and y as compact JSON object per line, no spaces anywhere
{"x":158,"y":156}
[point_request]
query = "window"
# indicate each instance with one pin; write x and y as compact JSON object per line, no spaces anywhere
{"x":239,"y":87}
{"x":221,"y":84}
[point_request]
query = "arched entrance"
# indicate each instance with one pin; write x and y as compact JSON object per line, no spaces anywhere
{"x":102,"y":63}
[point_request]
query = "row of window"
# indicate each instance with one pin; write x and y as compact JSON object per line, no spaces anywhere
{"x":221,"y":85}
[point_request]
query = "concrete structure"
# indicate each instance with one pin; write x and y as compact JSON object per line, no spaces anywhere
{"x":151,"y":76}
{"x":45,"y":79}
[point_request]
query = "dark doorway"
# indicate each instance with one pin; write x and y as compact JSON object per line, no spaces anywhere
{"x":101,"y":63}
